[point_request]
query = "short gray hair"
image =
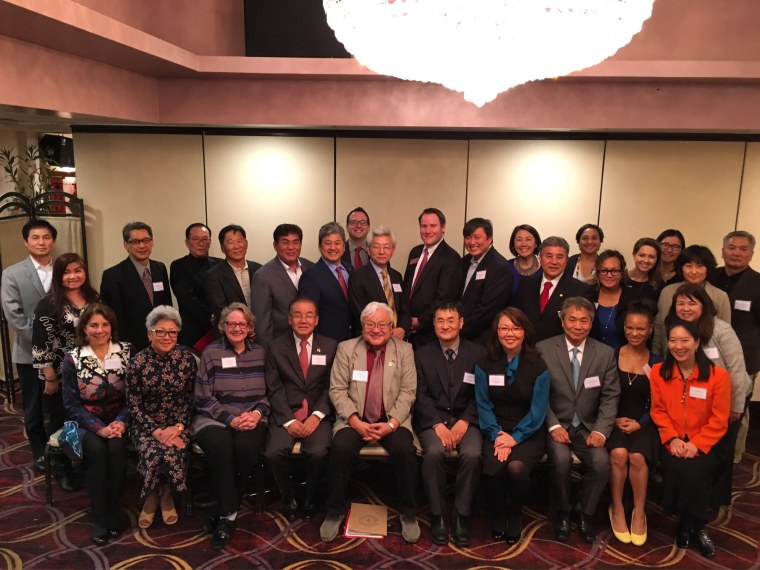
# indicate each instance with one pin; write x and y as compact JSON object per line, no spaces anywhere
{"x":577,"y":303}
{"x":331,"y":228}
{"x":382,"y":231}
{"x":555,"y":241}
{"x":163,"y":313}
{"x":739,"y":234}
{"x":372,"y":308}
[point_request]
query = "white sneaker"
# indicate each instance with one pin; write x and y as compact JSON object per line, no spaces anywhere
{"x":410,"y":529}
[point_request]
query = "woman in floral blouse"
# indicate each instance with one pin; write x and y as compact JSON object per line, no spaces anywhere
{"x":94,"y":397}
{"x":160,"y":384}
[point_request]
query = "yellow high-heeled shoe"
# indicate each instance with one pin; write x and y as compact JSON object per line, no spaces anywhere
{"x":638,"y":539}
{"x":624,"y":537}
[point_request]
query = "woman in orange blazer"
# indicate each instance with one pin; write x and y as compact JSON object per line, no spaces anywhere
{"x":691,"y":399}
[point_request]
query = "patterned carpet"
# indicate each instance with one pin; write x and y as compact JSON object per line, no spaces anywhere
{"x":35,"y":536}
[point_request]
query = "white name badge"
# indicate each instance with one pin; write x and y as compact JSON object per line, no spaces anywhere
{"x":414,"y":261}
{"x":496,"y":379}
{"x":592,"y":382}
{"x":397,"y":287}
{"x":700,"y":393}
{"x":712,"y":352}
{"x":360,"y":376}
{"x":648,"y":370}
{"x":742,"y":305}
{"x":112,"y":363}
{"x":319,"y":359}
{"x":158,"y":286}
{"x":469,"y":378}
{"x":229,"y":362}
{"x":596,"y":305}
{"x":480,"y":275}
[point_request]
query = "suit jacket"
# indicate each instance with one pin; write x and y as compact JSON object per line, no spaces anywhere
{"x":596,"y":406}
{"x":22,"y":290}
{"x":438,"y":282}
{"x":122,"y":289}
{"x":188,"y":278}
{"x":627,"y":296}
{"x":274,"y":292}
{"x":222,"y":286}
{"x":348,"y":260}
{"x":436,"y":401}
{"x":321,"y":285}
{"x":484,"y":297}
{"x":399,"y":381}
{"x":547,"y":323}
{"x":286,"y":385}
{"x":365,"y":287}
{"x":746,"y":320}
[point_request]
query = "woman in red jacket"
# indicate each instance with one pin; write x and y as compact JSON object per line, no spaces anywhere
{"x":691,"y":398}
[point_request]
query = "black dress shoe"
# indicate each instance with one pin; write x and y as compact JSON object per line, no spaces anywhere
{"x":460,"y":530}
{"x":498,"y":535}
{"x":210,"y":525}
{"x":67,"y":482}
{"x":682,"y":536}
{"x":309,"y":510}
{"x":586,"y":529}
{"x":439,"y":534}
{"x":704,"y":542}
{"x":290,"y":506}
{"x":99,"y":536}
{"x":39,"y":464}
{"x":222,"y":533}
{"x":514,"y":528}
{"x":562,"y":527}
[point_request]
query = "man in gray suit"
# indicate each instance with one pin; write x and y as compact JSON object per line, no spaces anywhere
{"x":275,"y":285}
{"x":23,"y":285}
{"x":583,"y":402}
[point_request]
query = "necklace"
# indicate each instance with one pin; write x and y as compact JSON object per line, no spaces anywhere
{"x":530,"y":270}
{"x":631,"y":378}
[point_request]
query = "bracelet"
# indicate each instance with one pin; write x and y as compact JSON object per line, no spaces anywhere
{"x":391,"y":426}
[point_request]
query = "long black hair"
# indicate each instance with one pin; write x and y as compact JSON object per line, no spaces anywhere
{"x":705,"y":324}
{"x":57,"y":291}
{"x":520,"y":319}
{"x":704,"y":364}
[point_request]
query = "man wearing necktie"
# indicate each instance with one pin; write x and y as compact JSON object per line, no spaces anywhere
{"x":372,"y":386}
{"x":356,"y":255}
{"x":298,"y":367}
{"x":583,"y":401}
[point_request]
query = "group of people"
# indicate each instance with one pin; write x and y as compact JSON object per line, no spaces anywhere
{"x":503,"y":361}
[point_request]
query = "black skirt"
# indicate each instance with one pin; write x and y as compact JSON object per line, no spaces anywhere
{"x":645,"y":441}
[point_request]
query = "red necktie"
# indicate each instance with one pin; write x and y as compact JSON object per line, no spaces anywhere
{"x":373,"y":405}
{"x":544,"y":299}
{"x":342,"y":281}
{"x":357,"y":258}
{"x":303,"y":357}
{"x":419,"y":271}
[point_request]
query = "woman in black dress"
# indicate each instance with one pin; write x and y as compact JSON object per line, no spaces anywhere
{"x":644,"y":277}
{"x":633,"y":443}
{"x":523,"y":243}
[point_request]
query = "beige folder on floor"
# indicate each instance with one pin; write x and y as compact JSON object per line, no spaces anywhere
{"x":367,"y":521}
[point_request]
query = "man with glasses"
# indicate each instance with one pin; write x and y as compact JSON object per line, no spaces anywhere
{"x":372,"y":386}
{"x":357,"y":248}
{"x":298,"y":365}
{"x":135,"y":286}
{"x":188,"y":279}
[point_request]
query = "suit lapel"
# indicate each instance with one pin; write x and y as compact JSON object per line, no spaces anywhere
{"x":291,"y":354}
{"x":318,"y":349}
{"x":588,"y":357}
{"x":33,"y":277}
{"x":439,"y":361}
{"x":564,"y":360}
{"x":282,"y":275}
{"x":389,"y":370}
{"x":232,"y":280}
{"x":130,"y":274}
{"x":360,"y":363}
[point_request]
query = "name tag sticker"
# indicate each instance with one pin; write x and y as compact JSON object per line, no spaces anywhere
{"x":469,"y":378}
{"x":360,"y":376}
{"x":158,"y":286}
{"x":742,"y":305}
{"x":397,"y":287}
{"x":229,"y":362}
{"x":596,"y":305}
{"x":319,"y":359}
{"x":700,"y":393}
{"x":496,"y":379}
{"x":592,"y":382}
{"x":414,"y":261}
{"x":480,"y":275}
{"x":648,"y":370}
{"x":113,"y":363}
{"x":712,"y":352}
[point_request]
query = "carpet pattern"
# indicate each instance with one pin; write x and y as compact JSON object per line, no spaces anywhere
{"x":33,"y":535}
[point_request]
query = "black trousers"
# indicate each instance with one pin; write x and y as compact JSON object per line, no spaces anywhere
{"x":232,"y":458}
{"x":345,"y":452}
{"x":105,"y":463}
{"x":35,"y":402}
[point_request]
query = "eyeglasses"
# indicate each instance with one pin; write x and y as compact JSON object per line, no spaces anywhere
{"x":200,"y":240}
{"x":369,"y":326}
{"x":671,"y":246}
{"x":510,"y":330}
{"x":613,"y":272}
{"x":161,"y":333}
{"x":144,"y":241}
{"x":358,"y":223}
{"x":236,"y":325}
{"x":379,"y":247}
{"x":303,"y":316}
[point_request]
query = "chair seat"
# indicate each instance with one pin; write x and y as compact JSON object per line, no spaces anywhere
{"x":53,"y":439}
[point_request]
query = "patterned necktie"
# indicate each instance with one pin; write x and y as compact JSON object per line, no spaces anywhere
{"x":358,"y":258}
{"x":389,"y":294}
{"x":576,"y":366}
{"x":148,"y":282}
{"x":544,"y":299}
{"x":450,"y":354}
{"x":373,"y":404}
{"x":303,"y":358}
{"x":342,"y":281}
{"x":419,"y":271}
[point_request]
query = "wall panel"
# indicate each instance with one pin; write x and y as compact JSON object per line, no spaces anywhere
{"x":749,"y":202}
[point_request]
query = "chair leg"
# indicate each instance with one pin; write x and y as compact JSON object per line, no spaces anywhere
{"x":48,"y":478}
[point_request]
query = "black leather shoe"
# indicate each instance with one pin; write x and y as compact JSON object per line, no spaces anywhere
{"x":290,"y":506}
{"x":586,"y":529}
{"x":562,"y":527}
{"x":498,"y":535}
{"x":222,"y":534}
{"x":39,"y":464}
{"x":99,"y":536}
{"x":114,"y":532}
{"x":68,"y":483}
{"x":682,"y":536}
{"x":439,"y":534}
{"x":460,"y":530}
{"x":704,"y":542}
{"x":514,"y":529}
{"x":309,"y":510}
{"x":210,"y":526}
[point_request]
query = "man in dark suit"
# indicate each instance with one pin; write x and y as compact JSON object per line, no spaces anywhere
{"x":298,"y":368}
{"x":356,"y":255}
{"x":541,"y":296}
{"x":231,"y":281}
{"x":432,"y":276}
{"x":326,"y":283}
{"x":377,"y":281}
{"x":446,"y":418}
{"x":485,"y":280}
{"x":135,"y":286}
{"x":188,"y":278}
{"x":742,"y":284}
{"x":583,"y":403}
{"x":276,"y":283}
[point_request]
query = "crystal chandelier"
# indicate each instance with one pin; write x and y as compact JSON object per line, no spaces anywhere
{"x":484,"y":47}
